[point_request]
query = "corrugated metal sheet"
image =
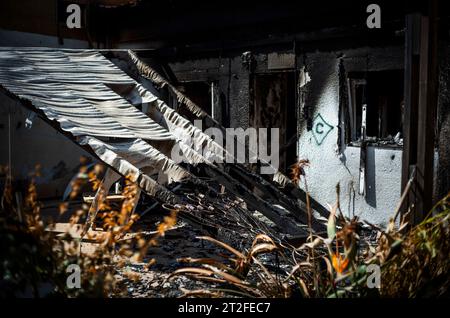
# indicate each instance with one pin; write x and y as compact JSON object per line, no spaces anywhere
{"x":71,"y":87}
{"x":143,"y":156}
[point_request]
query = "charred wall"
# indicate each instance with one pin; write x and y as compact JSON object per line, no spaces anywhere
{"x":322,"y":96}
{"x":232,"y":78}
{"x":442,"y":185}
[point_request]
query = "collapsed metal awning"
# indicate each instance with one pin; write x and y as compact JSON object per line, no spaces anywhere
{"x":95,"y":104}
{"x":71,"y":87}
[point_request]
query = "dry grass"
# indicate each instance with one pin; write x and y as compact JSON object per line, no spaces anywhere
{"x":415,"y":263}
{"x":51,"y":255}
{"x":412,"y":264}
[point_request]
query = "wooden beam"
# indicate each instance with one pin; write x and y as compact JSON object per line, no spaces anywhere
{"x":411,"y":98}
{"x":428,"y":90}
{"x":283,"y":219}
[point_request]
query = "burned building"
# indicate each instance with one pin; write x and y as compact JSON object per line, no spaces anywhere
{"x":363,"y":105}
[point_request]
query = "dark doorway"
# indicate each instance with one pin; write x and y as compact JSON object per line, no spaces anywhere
{"x":274,"y":107}
{"x":199,"y":93}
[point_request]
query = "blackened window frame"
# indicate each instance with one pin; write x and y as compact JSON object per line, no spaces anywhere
{"x":357,"y":83}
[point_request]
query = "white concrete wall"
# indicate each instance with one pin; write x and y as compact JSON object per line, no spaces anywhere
{"x":58,"y":157}
{"x":328,"y":168}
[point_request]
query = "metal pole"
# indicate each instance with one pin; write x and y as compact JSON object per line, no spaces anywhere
{"x":212,"y":100}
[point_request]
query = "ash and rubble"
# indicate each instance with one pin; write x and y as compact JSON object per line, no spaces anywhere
{"x":154,"y":282}
{"x":221,"y":219}
{"x":225,"y":218}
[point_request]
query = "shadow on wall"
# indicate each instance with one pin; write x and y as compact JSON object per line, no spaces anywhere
{"x":322,"y":71}
{"x":371,"y":190}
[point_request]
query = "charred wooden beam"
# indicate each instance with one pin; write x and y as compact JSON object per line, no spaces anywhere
{"x":421,"y":89}
{"x":428,"y":89}
{"x":287,"y":194}
{"x":285,"y":222}
{"x":294,"y":203}
{"x":411,"y":97}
